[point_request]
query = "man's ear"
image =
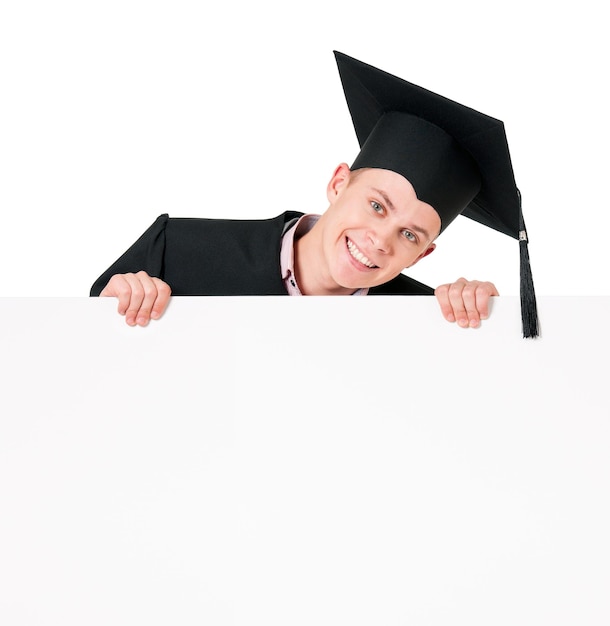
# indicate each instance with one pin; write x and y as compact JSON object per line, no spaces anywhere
{"x":431,"y":248}
{"x":338,"y":181}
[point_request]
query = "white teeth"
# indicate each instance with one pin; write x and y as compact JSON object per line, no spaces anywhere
{"x":353,"y":250}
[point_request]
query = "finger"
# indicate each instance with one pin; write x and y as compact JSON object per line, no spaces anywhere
{"x":130,"y":298}
{"x":163,"y":294}
{"x":471,"y":317}
{"x":120,"y":286}
{"x":149,"y":293}
{"x":442,"y":296}
{"x":483,"y":294}
{"x":456,"y":301}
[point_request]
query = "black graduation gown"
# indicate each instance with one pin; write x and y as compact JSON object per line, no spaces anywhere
{"x":219,"y":257}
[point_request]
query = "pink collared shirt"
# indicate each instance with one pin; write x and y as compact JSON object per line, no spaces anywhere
{"x":303,"y":225}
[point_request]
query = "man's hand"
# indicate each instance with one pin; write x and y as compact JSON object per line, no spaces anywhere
{"x":141,"y":297}
{"x":465,"y":301}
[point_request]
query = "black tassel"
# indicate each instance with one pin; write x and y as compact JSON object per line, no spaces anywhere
{"x":529,"y":310}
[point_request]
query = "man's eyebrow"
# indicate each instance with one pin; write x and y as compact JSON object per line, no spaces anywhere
{"x":386,"y":199}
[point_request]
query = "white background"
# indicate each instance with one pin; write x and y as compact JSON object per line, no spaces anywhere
{"x":114,"y":112}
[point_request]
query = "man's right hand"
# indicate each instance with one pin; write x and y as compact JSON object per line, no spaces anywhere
{"x":141,"y":297}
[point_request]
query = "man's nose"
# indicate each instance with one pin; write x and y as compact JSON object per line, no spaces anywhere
{"x":380,"y":239}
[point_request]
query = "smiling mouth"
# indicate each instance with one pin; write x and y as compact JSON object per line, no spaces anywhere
{"x":357,"y":255}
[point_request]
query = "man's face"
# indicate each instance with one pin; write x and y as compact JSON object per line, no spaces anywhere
{"x":374,"y":227}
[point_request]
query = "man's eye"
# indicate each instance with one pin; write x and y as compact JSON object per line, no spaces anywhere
{"x":376,"y":206}
{"x":408,"y":235}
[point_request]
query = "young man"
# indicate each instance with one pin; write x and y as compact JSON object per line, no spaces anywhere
{"x":423,"y":161}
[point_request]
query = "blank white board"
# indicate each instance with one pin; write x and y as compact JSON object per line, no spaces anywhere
{"x":303,"y":461}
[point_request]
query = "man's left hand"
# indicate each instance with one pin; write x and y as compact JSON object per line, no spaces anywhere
{"x":465,"y":301}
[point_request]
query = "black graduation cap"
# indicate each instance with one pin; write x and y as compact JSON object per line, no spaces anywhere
{"x":456,"y":158}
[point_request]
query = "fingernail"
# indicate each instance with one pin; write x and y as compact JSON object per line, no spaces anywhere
{"x":463,"y":323}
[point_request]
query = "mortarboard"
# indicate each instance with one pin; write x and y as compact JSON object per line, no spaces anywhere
{"x":456,"y":158}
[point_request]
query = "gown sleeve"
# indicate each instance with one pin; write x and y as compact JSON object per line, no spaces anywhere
{"x":147,"y":254}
